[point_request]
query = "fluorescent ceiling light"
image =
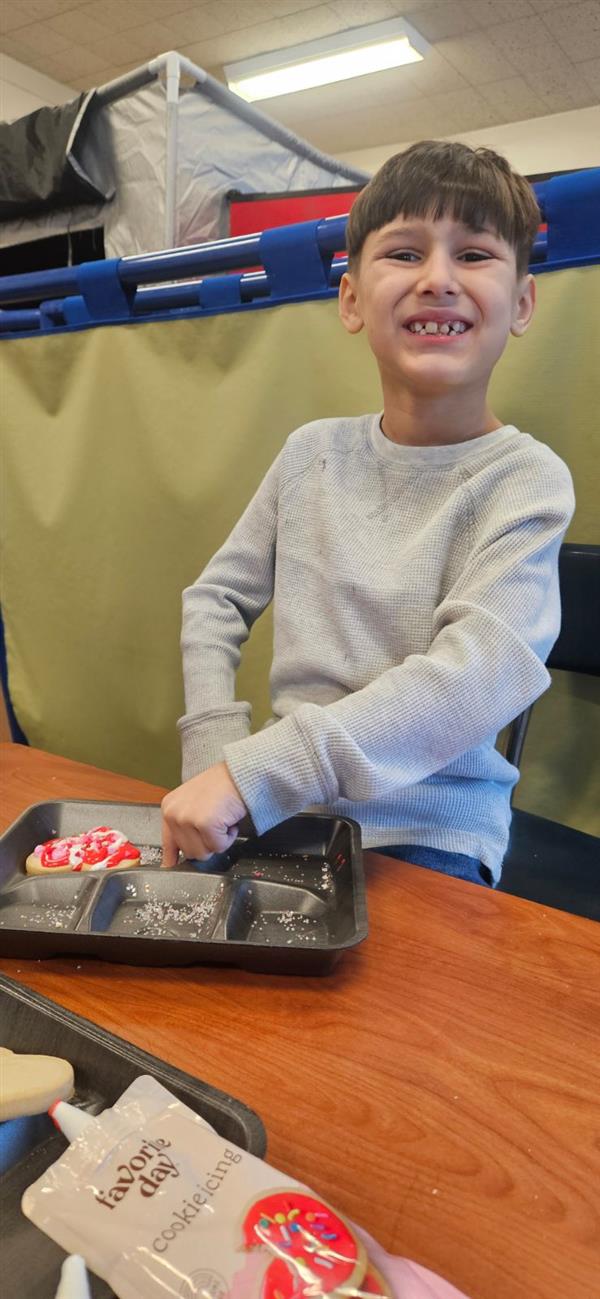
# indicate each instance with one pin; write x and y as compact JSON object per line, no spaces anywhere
{"x":353,"y":53}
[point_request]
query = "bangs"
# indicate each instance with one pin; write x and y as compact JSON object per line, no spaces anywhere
{"x":439,"y":179}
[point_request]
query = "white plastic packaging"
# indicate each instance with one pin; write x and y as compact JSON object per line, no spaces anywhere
{"x":160,"y":1205}
{"x":73,"y":1279}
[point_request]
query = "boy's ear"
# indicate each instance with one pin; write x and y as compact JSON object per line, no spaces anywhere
{"x":524,"y":305}
{"x":348,"y":308}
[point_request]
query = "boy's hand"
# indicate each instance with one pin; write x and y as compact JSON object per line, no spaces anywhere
{"x":201,"y":816}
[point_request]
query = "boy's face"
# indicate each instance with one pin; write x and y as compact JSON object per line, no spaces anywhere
{"x":438,"y":302}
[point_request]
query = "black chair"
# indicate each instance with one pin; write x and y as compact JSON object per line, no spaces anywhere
{"x":546,"y":861}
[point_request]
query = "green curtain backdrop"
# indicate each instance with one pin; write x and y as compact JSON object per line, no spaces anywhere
{"x":130,"y":451}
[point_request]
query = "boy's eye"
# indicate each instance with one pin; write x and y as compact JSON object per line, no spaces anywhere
{"x":404,"y":255}
{"x":475,"y":255}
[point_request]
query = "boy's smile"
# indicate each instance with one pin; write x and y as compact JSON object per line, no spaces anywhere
{"x":438,"y":301}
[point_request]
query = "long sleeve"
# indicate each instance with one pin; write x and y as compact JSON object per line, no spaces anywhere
{"x":218,"y":613}
{"x":492,"y":633}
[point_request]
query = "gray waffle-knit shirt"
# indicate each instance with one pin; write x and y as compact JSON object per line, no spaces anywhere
{"x":415,"y":599}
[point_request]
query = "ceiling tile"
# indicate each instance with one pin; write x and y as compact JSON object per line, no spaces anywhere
{"x":527,"y":44}
{"x":542,"y":6}
{"x":468,"y":106}
{"x":590,"y":69}
{"x":14,"y":47}
{"x":475,"y":57}
{"x":231,"y":46}
{"x":446,"y":18}
{"x":359,"y":13}
{"x":31,"y":11}
{"x":353,"y":131}
{"x":79,"y":62}
{"x":134,"y":46}
{"x":158,"y":10}
{"x":123,"y":15}
{"x":78,"y":27}
{"x":576,"y":28}
{"x":434,"y":75}
{"x":11,"y":19}
{"x":391,"y":87}
{"x":487,"y":12}
{"x":561,"y":91}
{"x":193,"y":25}
{"x":41,"y":39}
{"x":275,"y":8}
{"x":301,"y":24}
{"x":245,"y":13}
{"x":513,"y":99}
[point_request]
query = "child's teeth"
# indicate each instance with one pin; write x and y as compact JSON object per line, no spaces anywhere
{"x":434,"y":327}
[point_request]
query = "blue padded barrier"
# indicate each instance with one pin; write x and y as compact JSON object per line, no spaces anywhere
{"x":571,"y":206}
{"x":219,"y":291}
{"x":297,"y":260}
{"x":294,"y":262}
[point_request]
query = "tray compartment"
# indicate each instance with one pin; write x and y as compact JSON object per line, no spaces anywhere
{"x":148,"y":904}
{"x":266,"y":912}
{"x":45,"y":903}
{"x":55,"y":819}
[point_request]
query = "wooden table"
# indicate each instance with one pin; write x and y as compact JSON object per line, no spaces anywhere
{"x":441,"y":1086}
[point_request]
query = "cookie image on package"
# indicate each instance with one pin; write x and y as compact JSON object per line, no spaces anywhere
{"x":97,"y":849}
{"x":375,"y":1284}
{"x":315,"y":1252}
{"x":280,"y":1284}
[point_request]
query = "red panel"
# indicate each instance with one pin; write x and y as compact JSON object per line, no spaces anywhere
{"x":251,"y":216}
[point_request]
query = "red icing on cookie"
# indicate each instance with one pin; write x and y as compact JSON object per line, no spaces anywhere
{"x":279,"y":1282}
{"x":98,"y":847}
{"x":375,"y":1284}
{"x":311,"y":1244}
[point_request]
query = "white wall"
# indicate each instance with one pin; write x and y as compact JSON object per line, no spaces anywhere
{"x":554,"y":143}
{"x":22,"y":90}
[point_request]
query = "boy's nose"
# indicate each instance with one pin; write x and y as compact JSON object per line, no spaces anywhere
{"x":438,"y":275}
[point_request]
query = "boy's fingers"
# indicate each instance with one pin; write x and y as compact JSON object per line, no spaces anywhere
{"x":170,"y":850}
{"x":217,"y":840}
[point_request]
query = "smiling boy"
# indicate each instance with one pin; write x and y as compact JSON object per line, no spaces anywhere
{"x":412,"y":555}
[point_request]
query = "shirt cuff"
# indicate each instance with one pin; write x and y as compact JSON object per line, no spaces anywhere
{"x":204,"y":736}
{"x":276,"y":773}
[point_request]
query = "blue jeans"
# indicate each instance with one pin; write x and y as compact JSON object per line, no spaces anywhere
{"x":437,"y":859}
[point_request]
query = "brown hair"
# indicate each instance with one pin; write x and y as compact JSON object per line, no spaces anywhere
{"x":438,"y":178}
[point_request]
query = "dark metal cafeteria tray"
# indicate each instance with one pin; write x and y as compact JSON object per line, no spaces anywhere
{"x":104,"y":1066}
{"x":289,"y":901}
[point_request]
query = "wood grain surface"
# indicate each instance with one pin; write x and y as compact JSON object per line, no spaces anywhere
{"x":442,"y":1086}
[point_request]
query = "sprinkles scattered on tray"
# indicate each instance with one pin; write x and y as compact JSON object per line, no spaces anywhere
{"x":160,"y":919}
{"x":49,"y":917}
{"x":151,"y":856}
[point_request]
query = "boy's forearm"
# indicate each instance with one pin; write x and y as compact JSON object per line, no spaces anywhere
{"x":219,"y":610}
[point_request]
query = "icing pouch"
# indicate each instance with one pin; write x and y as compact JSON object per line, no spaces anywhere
{"x":160,"y":1205}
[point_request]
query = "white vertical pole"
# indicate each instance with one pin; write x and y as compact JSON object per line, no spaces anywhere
{"x":172,"y":76}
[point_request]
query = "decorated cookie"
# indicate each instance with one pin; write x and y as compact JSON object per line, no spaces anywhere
{"x":280,"y":1283}
{"x":30,"y":1083}
{"x":375,"y":1284}
{"x":97,"y":849}
{"x":311,"y":1246}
